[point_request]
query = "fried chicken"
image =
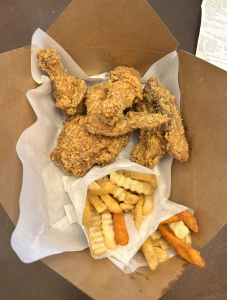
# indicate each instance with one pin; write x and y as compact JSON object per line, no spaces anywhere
{"x":96,"y":95}
{"x":78,"y":150}
{"x":177,"y":145}
{"x":123,"y":90}
{"x":68,"y":91}
{"x":168,"y":138}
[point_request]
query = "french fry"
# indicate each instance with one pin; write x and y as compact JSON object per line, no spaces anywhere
{"x":172,"y":219}
{"x":108,"y":230}
{"x":160,"y":254}
{"x":179,"y":229}
{"x":162,"y":243}
{"x":148,"y":205}
{"x":131,"y":198}
{"x":156,"y":235}
{"x":96,"y":202}
{"x":112,"y":204}
{"x":189,"y":220}
{"x":103,"y":179}
{"x":127,"y":207}
{"x":183,"y":250}
{"x":105,"y":188}
{"x":150,"y":178}
{"x":187,"y":240}
{"x":120,"y":231}
{"x":133,"y":185}
{"x":149,"y":254}
{"x":87,"y":216}
{"x":138,"y":214}
{"x":96,"y":238}
{"x":119,"y":193}
{"x":93,"y":186}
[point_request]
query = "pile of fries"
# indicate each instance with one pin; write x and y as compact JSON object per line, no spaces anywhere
{"x":175,"y":232}
{"x":107,"y":200}
{"x":132,"y":192}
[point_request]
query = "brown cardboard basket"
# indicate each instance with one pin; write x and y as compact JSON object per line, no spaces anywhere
{"x":101,"y":35}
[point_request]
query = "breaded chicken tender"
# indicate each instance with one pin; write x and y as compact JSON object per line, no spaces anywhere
{"x":78,"y":150}
{"x":68,"y":91}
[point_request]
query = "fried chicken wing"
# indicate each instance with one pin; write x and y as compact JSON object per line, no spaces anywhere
{"x":124,"y":89}
{"x":177,"y":145}
{"x":96,"y":95}
{"x":78,"y":150}
{"x":68,"y":91}
{"x":167,"y":138}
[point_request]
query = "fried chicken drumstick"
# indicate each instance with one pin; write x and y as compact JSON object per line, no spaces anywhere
{"x":96,"y":96}
{"x":78,"y":150}
{"x":68,"y":91}
{"x":124,"y":89}
{"x":168,"y":138}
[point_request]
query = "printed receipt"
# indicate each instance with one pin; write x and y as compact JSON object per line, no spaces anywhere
{"x":212,"y":43}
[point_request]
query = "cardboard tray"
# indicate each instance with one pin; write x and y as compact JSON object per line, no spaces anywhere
{"x":100,"y":35}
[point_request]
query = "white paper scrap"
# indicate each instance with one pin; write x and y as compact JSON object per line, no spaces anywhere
{"x":212,"y":43}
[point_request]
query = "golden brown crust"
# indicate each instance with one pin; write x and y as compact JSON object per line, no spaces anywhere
{"x":68,"y":91}
{"x":124,"y":89}
{"x":189,"y":220}
{"x":78,"y":150}
{"x":168,"y":138}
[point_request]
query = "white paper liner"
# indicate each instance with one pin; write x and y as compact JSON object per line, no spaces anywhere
{"x":42,"y":196}
{"x":125,"y":261}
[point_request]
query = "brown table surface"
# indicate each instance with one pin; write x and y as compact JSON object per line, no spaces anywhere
{"x":18,"y":20}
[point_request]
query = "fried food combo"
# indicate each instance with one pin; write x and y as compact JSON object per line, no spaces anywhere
{"x":167,"y":138}
{"x":124,"y":89}
{"x":78,"y":150}
{"x":96,"y":97}
{"x":68,"y":91}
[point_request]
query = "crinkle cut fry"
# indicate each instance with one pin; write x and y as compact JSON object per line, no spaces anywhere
{"x":184,"y":251}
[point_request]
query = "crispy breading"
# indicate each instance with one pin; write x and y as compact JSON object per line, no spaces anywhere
{"x":124,"y":89}
{"x":132,"y":120}
{"x":184,"y":251}
{"x":167,"y":138}
{"x":189,"y":220}
{"x":177,"y":145}
{"x":120,"y":231}
{"x":68,"y":91}
{"x":129,"y":122}
{"x":78,"y":150}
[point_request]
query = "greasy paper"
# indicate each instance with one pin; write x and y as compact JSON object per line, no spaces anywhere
{"x":212,"y":43}
{"x":43,"y":196}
